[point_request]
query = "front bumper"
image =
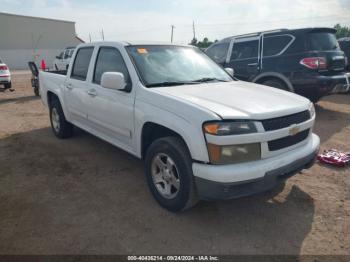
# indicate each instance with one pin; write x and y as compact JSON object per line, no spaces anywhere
{"x":233,"y":181}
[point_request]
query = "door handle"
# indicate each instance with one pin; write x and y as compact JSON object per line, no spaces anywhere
{"x":69,"y":86}
{"x":92,"y":92}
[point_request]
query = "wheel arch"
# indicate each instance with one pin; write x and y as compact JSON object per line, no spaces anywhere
{"x":51,"y":96}
{"x":273,"y":75}
{"x":152,"y":131}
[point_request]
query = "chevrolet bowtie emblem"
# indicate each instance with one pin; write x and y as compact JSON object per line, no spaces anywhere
{"x":294,"y":130}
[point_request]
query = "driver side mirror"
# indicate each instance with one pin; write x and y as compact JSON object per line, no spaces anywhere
{"x":230,"y":71}
{"x":58,"y":57}
{"x":113,"y":80}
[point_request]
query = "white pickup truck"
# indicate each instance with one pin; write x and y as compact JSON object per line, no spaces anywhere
{"x":202,"y":134}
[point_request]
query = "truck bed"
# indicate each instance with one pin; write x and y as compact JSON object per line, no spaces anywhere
{"x":59,"y":72}
{"x":51,"y":81}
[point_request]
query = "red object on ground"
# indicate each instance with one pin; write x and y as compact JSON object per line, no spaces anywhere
{"x":43,"y":65}
{"x":334,"y":157}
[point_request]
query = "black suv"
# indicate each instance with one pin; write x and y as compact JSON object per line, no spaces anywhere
{"x":345,"y":46}
{"x":306,"y":61}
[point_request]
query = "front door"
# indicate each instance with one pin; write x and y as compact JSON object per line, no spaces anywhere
{"x":111,"y":112}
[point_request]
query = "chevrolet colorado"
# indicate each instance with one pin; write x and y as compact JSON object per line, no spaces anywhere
{"x":203,"y":134}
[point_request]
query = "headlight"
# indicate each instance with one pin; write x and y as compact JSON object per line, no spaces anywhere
{"x":229,"y":128}
{"x":312,"y":110}
{"x":234,"y":153}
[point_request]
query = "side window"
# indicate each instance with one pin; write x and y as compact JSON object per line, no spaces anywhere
{"x":273,"y":45}
{"x":66,"y":54}
{"x":109,"y":59}
{"x":69,"y":53}
{"x":218,"y":52}
{"x":81,"y":63}
{"x":245,"y":50}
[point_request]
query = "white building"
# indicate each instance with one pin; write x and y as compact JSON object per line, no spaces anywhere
{"x":25,"y":38}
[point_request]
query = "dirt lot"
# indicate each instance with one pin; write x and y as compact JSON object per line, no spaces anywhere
{"x":84,"y":196}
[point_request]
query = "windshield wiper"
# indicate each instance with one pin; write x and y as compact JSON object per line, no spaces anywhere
{"x":175,"y":83}
{"x":209,"y":79}
{"x":179,"y":83}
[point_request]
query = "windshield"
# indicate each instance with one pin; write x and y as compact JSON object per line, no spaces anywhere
{"x":322,"y":42}
{"x":175,"y":65}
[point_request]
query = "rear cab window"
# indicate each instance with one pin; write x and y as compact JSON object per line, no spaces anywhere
{"x":81,"y":63}
{"x":275,"y":45}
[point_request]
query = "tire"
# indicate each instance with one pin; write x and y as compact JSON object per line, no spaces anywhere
{"x":60,"y":126}
{"x":276,"y":84}
{"x":8,"y":85}
{"x":36,"y":91}
{"x":171,"y":150}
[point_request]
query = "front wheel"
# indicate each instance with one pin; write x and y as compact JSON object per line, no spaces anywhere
{"x":169,"y":174}
{"x":60,"y":126}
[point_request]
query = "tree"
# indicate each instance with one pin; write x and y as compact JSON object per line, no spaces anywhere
{"x":342,"y":31}
{"x":202,"y":44}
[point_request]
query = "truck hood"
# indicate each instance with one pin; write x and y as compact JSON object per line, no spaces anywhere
{"x":239,"y":100}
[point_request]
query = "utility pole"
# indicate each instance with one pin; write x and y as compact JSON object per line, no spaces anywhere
{"x":172,"y":32}
{"x":90,"y":37}
{"x":194,"y":31}
{"x":103,"y":35}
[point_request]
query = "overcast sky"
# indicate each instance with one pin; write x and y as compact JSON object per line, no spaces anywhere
{"x":151,"y":19}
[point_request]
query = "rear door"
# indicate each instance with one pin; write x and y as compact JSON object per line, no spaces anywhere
{"x":245,"y":58}
{"x":111,"y":112}
{"x":76,"y":87}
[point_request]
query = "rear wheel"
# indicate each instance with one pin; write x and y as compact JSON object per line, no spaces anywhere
{"x":60,"y":126}
{"x":169,"y":174}
{"x":276,"y":84}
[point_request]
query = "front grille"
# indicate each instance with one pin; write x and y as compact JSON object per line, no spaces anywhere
{"x":288,"y":141}
{"x":285,"y":121}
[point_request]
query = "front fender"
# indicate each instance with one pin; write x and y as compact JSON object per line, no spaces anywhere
{"x":190,"y":133}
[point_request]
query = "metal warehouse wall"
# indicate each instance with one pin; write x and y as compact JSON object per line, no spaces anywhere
{"x":24,"y":39}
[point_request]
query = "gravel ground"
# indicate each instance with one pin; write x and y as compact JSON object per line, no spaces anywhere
{"x":84,"y":196}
